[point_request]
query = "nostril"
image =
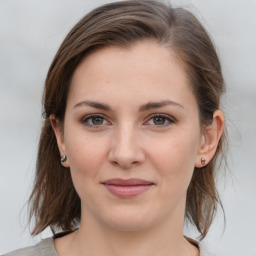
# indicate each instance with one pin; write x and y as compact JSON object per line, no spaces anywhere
{"x":125,"y":165}
{"x":125,"y":154}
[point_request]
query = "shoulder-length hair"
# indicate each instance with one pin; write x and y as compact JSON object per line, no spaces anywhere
{"x":54,"y":202}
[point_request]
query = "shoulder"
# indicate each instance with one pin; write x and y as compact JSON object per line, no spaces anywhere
{"x":44,"y":248}
{"x":202,"y":250}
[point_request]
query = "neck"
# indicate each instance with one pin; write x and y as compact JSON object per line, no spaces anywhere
{"x":165,"y":239}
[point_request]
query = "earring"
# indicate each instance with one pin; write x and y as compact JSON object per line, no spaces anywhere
{"x":63,"y":159}
{"x":203,"y":161}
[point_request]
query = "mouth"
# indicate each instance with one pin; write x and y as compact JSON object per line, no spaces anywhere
{"x":127,"y":188}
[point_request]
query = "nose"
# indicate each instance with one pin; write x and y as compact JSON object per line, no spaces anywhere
{"x":126,"y":151}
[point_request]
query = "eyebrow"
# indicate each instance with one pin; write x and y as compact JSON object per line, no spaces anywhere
{"x":146,"y":107}
{"x":154,"y":105}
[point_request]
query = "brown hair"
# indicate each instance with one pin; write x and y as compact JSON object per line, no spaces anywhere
{"x":54,"y":201}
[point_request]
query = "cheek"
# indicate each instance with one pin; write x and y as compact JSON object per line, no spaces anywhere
{"x":175,"y":162}
{"x":85,"y":151}
{"x":86,"y":156}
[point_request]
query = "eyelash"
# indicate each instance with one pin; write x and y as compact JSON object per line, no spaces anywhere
{"x":166,"y":118}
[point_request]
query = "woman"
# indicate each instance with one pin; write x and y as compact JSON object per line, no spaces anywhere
{"x":131,"y":135}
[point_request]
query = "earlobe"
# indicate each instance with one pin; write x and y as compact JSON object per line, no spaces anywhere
{"x":210,"y":139}
{"x":58,"y":130}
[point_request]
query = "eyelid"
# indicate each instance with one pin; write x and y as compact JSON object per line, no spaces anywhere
{"x":87,"y":117}
{"x":169,"y":118}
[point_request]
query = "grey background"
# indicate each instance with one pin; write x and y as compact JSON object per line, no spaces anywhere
{"x":31,"y":32}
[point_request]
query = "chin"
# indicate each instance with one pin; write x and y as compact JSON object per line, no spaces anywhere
{"x":129,"y":220}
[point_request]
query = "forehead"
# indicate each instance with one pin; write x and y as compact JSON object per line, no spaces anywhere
{"x":145,"y":70}
{"x":146,"y":52}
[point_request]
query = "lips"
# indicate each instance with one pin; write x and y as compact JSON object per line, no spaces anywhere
{"x":127,"y":188}
{"x":129,"y":182}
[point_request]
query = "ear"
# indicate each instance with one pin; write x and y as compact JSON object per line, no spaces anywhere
{"x":210,"y":139}
{"x":58,"y":130}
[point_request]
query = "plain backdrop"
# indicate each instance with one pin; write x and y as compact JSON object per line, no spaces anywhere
{"x":30,"y":34}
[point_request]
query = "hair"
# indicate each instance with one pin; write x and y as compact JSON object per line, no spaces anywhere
{"x":54,"y":202}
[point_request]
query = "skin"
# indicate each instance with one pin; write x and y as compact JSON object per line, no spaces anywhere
{"x":127,"y":143}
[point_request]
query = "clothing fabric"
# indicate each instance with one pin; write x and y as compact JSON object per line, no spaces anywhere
{"x":47,"y":248}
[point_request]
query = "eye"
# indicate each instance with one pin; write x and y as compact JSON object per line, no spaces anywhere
{"x":161,"y":120}
{"x":95,"y":120}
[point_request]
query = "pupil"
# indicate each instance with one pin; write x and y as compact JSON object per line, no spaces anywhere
{"x":159,"y":120}
{"x":97,"y":120}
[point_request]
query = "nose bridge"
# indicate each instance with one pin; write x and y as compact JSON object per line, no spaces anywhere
{"x":125,"y":138}
{"x":126,"y":149}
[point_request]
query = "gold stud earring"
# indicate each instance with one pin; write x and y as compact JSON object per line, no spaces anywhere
{"x":203,"y":161}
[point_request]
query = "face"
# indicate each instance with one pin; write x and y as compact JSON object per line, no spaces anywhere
{"x":131,"y":115}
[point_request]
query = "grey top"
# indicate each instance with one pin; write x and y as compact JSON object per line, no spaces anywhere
{"x":47,"y":248}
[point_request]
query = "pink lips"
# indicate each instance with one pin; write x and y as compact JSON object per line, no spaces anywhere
{"x":127,"y":188}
